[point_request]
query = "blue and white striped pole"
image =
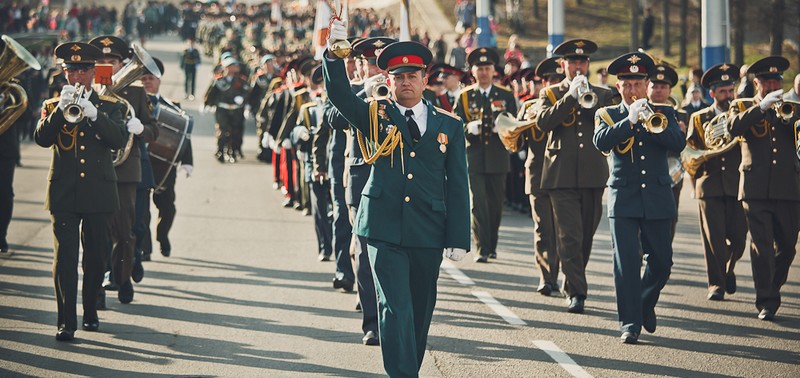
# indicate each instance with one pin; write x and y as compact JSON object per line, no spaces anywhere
{"x":715,"y":32}
{"x":555,"y":25}
{"x":484,"y":31}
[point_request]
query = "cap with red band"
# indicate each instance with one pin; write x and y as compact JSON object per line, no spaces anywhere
{"x":406,"y":56}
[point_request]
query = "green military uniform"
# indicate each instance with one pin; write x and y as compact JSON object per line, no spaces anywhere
{"x":722,"y":220}
{"x":227,"y":94}
{"x":573,"y":172}
{"x":487,"y":158}
{"x":415,"y":203}
{"x":769,"y":187}
{"x":81,"y":192}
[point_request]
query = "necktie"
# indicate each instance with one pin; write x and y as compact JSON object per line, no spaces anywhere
{"x":412,"y":126}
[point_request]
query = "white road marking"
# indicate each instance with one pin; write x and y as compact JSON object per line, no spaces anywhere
{"x":561,"y":358}
{"x":508,"y":315}
{"x":456,"y":273}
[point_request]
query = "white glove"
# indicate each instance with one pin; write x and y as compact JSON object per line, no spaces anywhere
{"x":135,"y":126}
{"x":265,"y":141}
{"x":89,"y":110}
{"x":273,"y":144}
{"x":188,"y":169}
{"x":238,"y":100}
{"x":634,"y":110}
{"x":67,"y":96}
{"x":576,"y":83}
{"x":769,"y":99}
{"x":474,"y":127}
{"x":455,"y":254}
{"x":286,"y":144}
{"x":522,"y":155}
{"x":247,"y":115}
{"x":302,"y":133}
{"x":338,"y":32}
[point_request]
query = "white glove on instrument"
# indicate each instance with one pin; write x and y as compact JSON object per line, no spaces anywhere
{"x":455,"y":254}
{"x":286,"y":144}
{"x":634,"y":110}
{"x":188,"y":169}
{"x":338,"y":31}
{"x":474,"y":127}
{"x":67,"y":96}
{"x":89,"y":110}
{"x":302,"y":133}
{"x":265,"y":141}
{"x":770,"y":99}
{"x":576,"y":83}
{"x":273,"y":144}
{"x":135,"y":126}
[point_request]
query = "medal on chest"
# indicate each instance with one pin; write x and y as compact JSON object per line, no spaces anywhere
{"x":442,"y":138}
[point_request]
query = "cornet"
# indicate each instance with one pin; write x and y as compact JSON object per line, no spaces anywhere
{"x":73,"y":113}
{"x":654,"y":123}
{"x":586,"y":98}
{"x":785,"y":110}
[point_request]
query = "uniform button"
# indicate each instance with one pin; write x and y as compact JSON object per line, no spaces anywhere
{"x":774,"y":150}
{"x":408,"y":199}
{"x":723,"y":158}
{"x":487,"y":142}
{"x":579,"y":112}
{"x":641,"y":144}
{"x":774,"y":162}
{"x":580,"y":145}
{"x":579,"y":124}
{"x":773,"y":128}
{"x":412,"y":154}
{"x":83,"y":161}
{"x":83,"y":174}
{"x":774,"y":140}
{"x":81,"y":134}
{"x":641,"y":157}
{"x":723,"y":168}
{"x":83,"y":148}
{"x":580,"y":134}
{"x":644,"y":186}
{"x":410,"y":176}
{"x":643,"y":171}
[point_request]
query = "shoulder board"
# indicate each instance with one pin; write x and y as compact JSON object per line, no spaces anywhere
{"x":445,"y":112}
{"x":602,"y":113}
{"x":548,"y":90}
{"x":300,"y":92}
{"x":275,"y":83}
{"x":741,"y":104}
{"x":470,"y":87}
{"x":52,"y":100}
{"x":110,"y":99}
{"x":307,"y":105}
{"x":503,"y":87}
{"x":680,"y":111}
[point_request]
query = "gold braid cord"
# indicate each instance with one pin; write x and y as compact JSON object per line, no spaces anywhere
{"x":71,"y":133}
{"x":374,"y":149}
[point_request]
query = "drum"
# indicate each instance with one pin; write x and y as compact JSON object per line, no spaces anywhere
{"x":174,"y":129}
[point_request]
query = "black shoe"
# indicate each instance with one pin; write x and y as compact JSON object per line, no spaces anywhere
{"x":766,"y":314}
{"x":146,"y":257}
{"x":230,"y":158}
{"x":576,"y":305}
{"x":101,"y":300}
{"x":166,"y":248}
{"x":730,"y":283}
{"x":324,"y":257}
{"x":276,"y":186}
{"x":629,"y":337}
{"x":220,"y":156}
{"x":343,"y":284}
{"x":125,"y":293}
{"x":370,"y":338}
{"x":716,"y":295}
{"x":306,"y":212}
{"x":138,"y":271}
{"x":91,"y":325}
{"x":492,"y":255}
{"x":288,"y":203}
{"x":358,"y":307}
{"x":545,"y":289}
{"x":65,"y":334}
{"x":3,"y":246}
{"x":649,"y":321}
{"x":481,"y":259}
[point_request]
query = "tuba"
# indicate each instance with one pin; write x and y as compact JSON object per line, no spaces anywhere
{"x":14,"y":60}
{"x":140,"y":64}
{"x":717,"y":141}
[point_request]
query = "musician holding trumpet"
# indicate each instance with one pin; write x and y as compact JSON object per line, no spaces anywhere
{"x":716,"y":179}
{"x":769,"y":186}
{"x":640,"y":202}
{"x":82,"y":188}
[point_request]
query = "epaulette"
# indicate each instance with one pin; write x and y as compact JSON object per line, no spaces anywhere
{"x":449,"y":114}
{"x":468,"y":88}
{"x":301,"y":92}
{"x":110,"y":99}
{"x":275,"y":83}
{"x":548,"y":90}
{"x":741,"y":104}
{"x":307,"y":105}
{"x":51,"y":100}
{"x":503,"y":87}
{"x":602,"y":113}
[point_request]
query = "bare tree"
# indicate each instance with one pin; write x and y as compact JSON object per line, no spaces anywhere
{"x":536,"y":9}
{"x":634,"y":25}
{"x":682,"y":40}
{"x":739,"y":26}
{"x":776,"y":30}
{"x":665,"y":27}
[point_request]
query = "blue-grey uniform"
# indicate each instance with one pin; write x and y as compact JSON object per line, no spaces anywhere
{"x":640,"y":201}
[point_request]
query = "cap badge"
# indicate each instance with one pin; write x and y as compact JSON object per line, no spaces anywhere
{"x":75,"y":58}
{"x":75,"y":48}
{"x":405,"y":59}
{"x":634,"y":69}
{"x":579,"y":51}
{"x":659,"y":76}
{"x":724,"y":77}
{"x":482,"y":50}
{"x":106,"y":42}
{"x":724,"y":67}
{"x":661,"y":68}
{"x":773,"y":69}
{"x":559,"y":70}
{"x":378,"y":43}
{"x":483,"y":59}
{"x":106,"y":50}
{"x":634,"y":59}
{"x":579,"y":44}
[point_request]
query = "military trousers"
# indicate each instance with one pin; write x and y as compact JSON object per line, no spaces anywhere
{"x":676,"y":193}
{"x":486,"y":196}
{"x":165,"y":203}
{"x":320,"y":201}
{"x":367,"y":295}
{"x":70,"y":230}
{"x":7,"y":167}
{"x":230,"y":128}
{"x":121,"y":230}
{"x":576,"y":215}
{"x":773,"y":226}
{"x":724,"y":231}
{"x":342,"y":229}
{"x":544,"y":242}
{"x":405,"y":279}
{"x":637,"y":294}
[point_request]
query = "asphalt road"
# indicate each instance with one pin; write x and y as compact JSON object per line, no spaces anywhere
{"x":244,"y":295}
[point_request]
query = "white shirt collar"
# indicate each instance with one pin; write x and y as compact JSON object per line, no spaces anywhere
{"x":486,"y":91}
{"x":420,"y":114}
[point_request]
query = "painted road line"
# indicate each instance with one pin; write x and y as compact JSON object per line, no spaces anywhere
{"x":561,"y":358}
{"x":456,"y":273}
{"x":501,"y":310}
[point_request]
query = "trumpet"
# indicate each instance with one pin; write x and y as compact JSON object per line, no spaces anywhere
{"x":73,"y":113}
{"x":655,"y":123}
{"x":586,"y":98}
{"x":785,"y":109}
